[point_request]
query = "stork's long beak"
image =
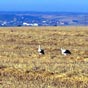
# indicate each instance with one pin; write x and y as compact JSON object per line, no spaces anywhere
{"x":39,"y":46}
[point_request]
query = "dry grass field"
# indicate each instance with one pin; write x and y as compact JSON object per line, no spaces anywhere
{"x":22,"y":67}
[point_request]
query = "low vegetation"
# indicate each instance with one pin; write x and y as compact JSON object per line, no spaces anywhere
{"x":22,"y":67}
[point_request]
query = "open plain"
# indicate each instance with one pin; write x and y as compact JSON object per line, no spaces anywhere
{"x":22,"y":67}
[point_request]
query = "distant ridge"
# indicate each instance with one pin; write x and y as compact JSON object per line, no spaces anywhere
{"x":33,"y":18}
{"x":40,"y":12}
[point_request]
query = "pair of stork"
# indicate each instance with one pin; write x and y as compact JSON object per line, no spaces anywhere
{"x":63,"y":51}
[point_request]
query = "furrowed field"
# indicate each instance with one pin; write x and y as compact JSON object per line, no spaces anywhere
{"x":22,"y":67}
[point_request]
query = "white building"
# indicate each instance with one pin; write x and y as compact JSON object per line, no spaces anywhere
{"x":26,"y":24}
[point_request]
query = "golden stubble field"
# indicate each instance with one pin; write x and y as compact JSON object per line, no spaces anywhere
{"x":22,"y":67}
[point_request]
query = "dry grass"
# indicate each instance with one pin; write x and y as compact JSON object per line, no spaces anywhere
{"x":21,"y":66}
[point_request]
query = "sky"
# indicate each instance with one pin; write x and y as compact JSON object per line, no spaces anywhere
{"x":44,"y":5}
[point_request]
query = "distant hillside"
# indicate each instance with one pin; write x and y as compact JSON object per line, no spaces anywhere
{"x":43,"y":18}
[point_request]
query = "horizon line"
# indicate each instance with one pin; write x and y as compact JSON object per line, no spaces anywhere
{"x":46,"y":11}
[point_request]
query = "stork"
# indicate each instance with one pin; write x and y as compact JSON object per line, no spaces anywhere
{"x":65,"y":52}
{"x":41,"y":51}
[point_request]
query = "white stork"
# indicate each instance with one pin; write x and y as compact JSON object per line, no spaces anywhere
{"x":41,"y":51}
{"x":65,"y":52}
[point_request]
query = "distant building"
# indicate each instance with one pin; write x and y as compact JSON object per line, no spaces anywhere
{"x":35,"y":24}
{"x":31,"y":24}
{"x":26,"y":24}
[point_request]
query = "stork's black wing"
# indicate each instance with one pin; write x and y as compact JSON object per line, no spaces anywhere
{"x":42,"y":51}
{"x":67,"y":51}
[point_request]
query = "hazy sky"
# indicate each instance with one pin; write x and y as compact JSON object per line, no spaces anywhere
{"x":44,"y":5}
